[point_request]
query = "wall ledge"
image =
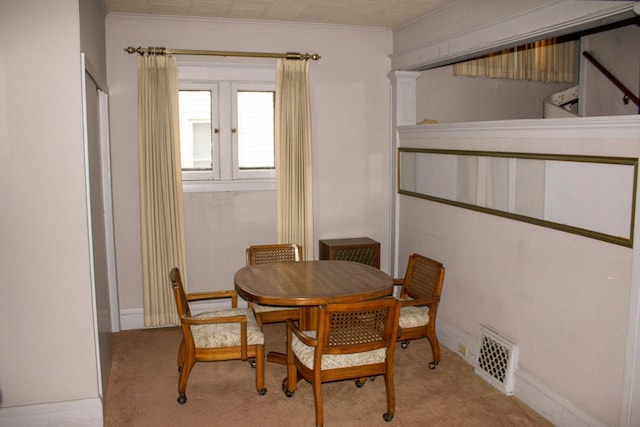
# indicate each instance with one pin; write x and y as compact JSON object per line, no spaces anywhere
{"x":613,"y":135}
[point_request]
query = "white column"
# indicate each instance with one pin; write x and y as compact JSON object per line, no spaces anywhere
{"x":403,"y":112}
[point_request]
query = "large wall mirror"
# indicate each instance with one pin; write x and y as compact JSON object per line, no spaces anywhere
{"x":586,"y":195}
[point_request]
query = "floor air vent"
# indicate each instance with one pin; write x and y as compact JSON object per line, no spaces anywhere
{"x":497,"y":361}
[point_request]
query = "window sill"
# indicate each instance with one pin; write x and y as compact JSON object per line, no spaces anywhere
{"x":235,"y":185}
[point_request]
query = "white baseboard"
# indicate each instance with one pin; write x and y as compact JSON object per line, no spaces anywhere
{"x":452,"y":337}
{"x":75,"y":413}
{"x":133,"y":318}
{"x":528,"y":389}
{"x":549,"y":404}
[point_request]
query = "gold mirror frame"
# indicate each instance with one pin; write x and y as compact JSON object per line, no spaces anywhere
{"x":623,"y":240}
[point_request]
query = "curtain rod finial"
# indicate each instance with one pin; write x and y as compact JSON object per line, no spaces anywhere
{"x":149,"y":50}
{"x":313,"y":56}
{"x":296,"y":55}
{"x":131,"y":49}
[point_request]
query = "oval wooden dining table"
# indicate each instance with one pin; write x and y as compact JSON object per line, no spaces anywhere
{"x":310,"y":284}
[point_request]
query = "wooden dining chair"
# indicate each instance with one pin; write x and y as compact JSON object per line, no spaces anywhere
{"x":225,"y":334}
{"x":421,"y":287}
{"x":269,"y":254}
{"x":353,"y":340}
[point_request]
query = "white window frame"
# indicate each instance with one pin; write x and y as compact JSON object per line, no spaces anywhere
{"x":224,"y":80}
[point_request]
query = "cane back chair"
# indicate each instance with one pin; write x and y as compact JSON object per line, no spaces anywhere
{"x":421,"y":287}
{"x":225,"y":334}
{"x":269,"y":254}
{"x":353,"y":341}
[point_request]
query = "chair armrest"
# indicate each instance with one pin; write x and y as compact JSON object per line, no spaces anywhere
{"x":422,"y":301}
{"x":199,"y":296}
{"x":301,"y":336}
{"x":212,"y":320}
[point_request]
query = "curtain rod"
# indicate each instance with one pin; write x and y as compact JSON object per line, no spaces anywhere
{"x":163,"y":51}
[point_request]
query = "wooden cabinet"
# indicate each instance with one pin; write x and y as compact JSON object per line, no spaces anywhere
{"x":359,"y":249}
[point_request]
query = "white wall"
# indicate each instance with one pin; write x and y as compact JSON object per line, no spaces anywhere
{"x":561,"y":298}
{"x":48,"y":349}
{"x":350,"y":109}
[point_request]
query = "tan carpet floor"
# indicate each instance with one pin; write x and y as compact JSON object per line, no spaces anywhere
{"x":142,"y":391}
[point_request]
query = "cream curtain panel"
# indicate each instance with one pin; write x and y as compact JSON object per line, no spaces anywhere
{"x":294,"y":188}
{"x":161,"y":209}
{"x":544,"y":60}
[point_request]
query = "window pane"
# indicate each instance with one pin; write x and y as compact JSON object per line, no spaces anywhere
{"x":255,"y":130}
{"x":195,"y":129}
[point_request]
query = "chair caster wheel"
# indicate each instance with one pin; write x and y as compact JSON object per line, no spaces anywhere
{"x":252,"y":363}
{"x":289,"y":393}
{"x":432,"y":365}
{"x":182,"y":399}
{"x":372,"y":378}
{"x":262,"y":391}
{"x":387,"y":416}
{"x":404,"y":344}
{"x":359,"y":383}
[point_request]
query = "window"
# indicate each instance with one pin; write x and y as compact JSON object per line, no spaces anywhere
{"x":195,"y":130}
{"x":255,"y":129}
{"x":227,"y":127}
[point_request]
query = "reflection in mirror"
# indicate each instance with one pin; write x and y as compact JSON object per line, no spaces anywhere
{"x":529,"y":189}
{"x":591,"y":196}
{"x":467,"y":179}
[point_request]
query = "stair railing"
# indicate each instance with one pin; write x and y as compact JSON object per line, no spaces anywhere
{"x":628,"y":95}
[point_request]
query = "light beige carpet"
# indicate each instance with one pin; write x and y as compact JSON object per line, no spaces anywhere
{"x":142,"y":391}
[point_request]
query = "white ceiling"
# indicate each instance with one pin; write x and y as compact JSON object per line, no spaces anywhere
{"x":372,"y":13}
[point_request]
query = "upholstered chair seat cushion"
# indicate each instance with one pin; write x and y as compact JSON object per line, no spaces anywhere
{"x":226,"y":334}
{"x":305,"y":354}
{"x":412,"y":317}
{"x":264,"y":308}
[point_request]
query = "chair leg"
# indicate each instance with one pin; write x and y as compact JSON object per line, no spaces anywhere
{"x":317,"y":396}
{"x":290,"y":383}
{"x":260,"y":370}
{"x":184,"y":376}
{"x":435,"y":347}
{"x":391,"y":395}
